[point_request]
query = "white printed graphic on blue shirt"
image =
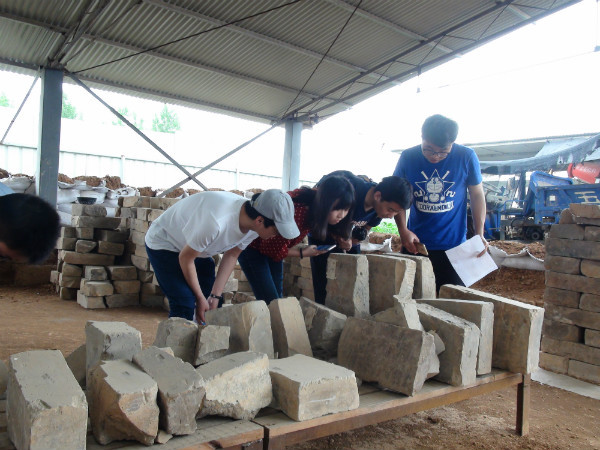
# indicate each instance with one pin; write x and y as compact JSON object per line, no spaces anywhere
{"x":434,"y":195}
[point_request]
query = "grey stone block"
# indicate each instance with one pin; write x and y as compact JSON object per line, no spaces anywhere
{"x":179,"y":334}
{"x":212,"y":343}
{"x":388,"y":277}
{"x":424,"y":277}
{"x":324,"y":327}
{"x":289,"y":331}
{"x":403,"y":314}
{"x":348,"y":284}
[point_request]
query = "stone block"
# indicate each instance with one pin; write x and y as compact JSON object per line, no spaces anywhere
{"x":88,"y":210}
{"x":590,"y":302}
{"x":592,"y":338}
{"x":71,"y":270}
{"x":66,"y":243}
{"x":562,"y":331}
{"x":554,"y":363}
{"x":289,"y":330}
{"x":590,"y":211}
{"x":54,"y":276}
{"x":180,"y":334}
{"x":562,"y":264}
{"x":567,"y":231}
{"x":576,"y":283}
{"x":109,"y":341}
{"x":592,"y":233}
{"x":142,"y":213}
{"x":424,"y":277}
{"x":573,"y":249}
{"x":154,"y":301}
{"x":122,"y":300}
{"x":122,"y":403}
{"x":388,"y":277}
{"x":151,"y":289}
{"x":561,"y":297}
{"x":140,"y":250}
{"x":109,"y":223}
{"x":324,"y":327}
{"x":458,"y":362}
{"x":141,"y":263}
{"x":143,"y":276}
{"x":89,"y":301}
{"x":517,"y":328}
{"x":590,"y":268}
{"x":180,"y":394}
{"x":110,"y":248}
{"x":396,"y":358}
{"x":119,"y":237}
{"x":67,"y":293}
{"x":76,"y":362}
{"x":348,"y":284}
{"x":88,"y":259}
{"x":96,"y":288}
{"x":46,"y":408}
{"x":479,"y":313}
{"x":250,"y":325}
{"x":572,"y":350}
{"x":154,"y":214}
{"x":84,"y":246}
{"x":139,"y":225}
{"x":306,"y":388}
{"x":84,"y":233}
{"x":122,"y":272}
{"x":3,"y":377}
{"x":566,"y":216}
{"x":126,"y":286}
{"x":403,"y":314}
{"x":67,"y":232}
{"x":212,"y":343}
{"x":573,"y":316}
{"x":584,"y":371}
{"x":95,"y":273}
{"x":69,"y":282}
{"x":237,"y":385}
{"x":138,"y":238}
{"x":128,"y":202}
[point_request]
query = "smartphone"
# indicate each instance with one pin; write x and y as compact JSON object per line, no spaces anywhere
{"x":327,"y":247}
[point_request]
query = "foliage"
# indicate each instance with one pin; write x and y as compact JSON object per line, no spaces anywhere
{"x":387,"y":227}
{"x":68,"y":110}
{"x":132,"y":117}
{"x":4,"y":100}
{"x":167,"y":122}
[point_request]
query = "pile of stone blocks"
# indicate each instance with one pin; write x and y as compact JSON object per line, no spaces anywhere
{"x":571,"y":335}
{"x":297,"y":278}
{"x":90,"y":265}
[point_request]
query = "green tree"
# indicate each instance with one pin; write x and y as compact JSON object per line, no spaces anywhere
{"x":4,"y":100}
{"x":132,"y":117}
{"x":68,"y":110}
{"x":166,"y":122}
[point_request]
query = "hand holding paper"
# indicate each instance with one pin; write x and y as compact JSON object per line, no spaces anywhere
{"x":468,"y":266}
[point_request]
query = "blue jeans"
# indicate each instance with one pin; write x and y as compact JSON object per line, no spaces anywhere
{"x":264,"y":274}
{"x":182,"y":301}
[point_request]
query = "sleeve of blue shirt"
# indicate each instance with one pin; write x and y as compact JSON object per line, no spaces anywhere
{"x":474,"y":176}
{"x":5,"y":190}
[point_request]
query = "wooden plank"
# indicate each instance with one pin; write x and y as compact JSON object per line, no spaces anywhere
{"x":376,"y":407}
{"x":523,"y":400}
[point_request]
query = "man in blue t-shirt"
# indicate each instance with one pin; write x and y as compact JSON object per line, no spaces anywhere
{"x":441,"y":172}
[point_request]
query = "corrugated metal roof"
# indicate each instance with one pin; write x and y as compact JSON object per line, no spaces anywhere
{"x":263,"y":59}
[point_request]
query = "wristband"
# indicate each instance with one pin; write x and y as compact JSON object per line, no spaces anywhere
{"x":218,"y":297}
{"x":301,"y":255}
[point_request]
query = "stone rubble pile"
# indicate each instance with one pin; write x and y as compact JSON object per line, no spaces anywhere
{"x":571,"y":335}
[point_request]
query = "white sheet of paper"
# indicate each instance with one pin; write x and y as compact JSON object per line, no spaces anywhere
{"x":468,"y":266}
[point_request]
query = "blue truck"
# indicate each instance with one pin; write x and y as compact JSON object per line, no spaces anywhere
{"x":530,"y":214}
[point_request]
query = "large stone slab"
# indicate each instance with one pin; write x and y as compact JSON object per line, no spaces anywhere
{"x":324,"y":327}
{"x":479,"y":313}
{"x":348,"y":284}
{"x":458,"y":362}
{"x":122,"y":403}
{"x":212,"y":343}
{"x":517,"y":328}
{"x":107,"y":341}
{"x":396,"y":358}
{"x":250,"y":325}
{"x":179,"y":334}
{"x":388,"y":277}
{"x":289,"y":331}
{"x":46,"y":408}
{"x":424,"y":277}
{"x":305,"y":388}
{"x":180,"y":394}
{"x":76,"y":362}
{"x":403,"y":314}
{"x":237,"y":385}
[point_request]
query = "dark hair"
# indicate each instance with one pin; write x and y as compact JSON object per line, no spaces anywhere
{"x":397,"y":190}
{"x":253,"y":213}
{"x":439,"y":130}
{"x":332,"y":193}
{"x":28,"y":225}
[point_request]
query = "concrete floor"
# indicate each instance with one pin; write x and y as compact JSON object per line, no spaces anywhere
{"x":567,"y":383}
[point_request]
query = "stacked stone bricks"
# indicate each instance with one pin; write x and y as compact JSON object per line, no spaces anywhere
{"x":571,"y":336}
{"x":90,"y":261}
{"x":297,"y":278}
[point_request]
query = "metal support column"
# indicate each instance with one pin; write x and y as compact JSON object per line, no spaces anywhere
{"x":291,"y":156}
{"x":46,"y":172}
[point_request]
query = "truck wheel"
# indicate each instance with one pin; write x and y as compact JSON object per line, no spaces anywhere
{"x":536,"y":234}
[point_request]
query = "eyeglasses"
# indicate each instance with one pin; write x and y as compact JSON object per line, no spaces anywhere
{"x":439,"y":155}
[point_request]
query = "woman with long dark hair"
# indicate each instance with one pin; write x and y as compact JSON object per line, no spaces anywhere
{"x":320,"y":211}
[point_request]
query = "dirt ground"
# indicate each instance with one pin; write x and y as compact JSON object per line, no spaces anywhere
{"x":35,"y":318}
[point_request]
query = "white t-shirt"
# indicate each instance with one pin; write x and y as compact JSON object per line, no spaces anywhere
{"x":208,"y":222}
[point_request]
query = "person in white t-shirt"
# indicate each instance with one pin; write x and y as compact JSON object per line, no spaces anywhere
{"x":181,"y":242}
